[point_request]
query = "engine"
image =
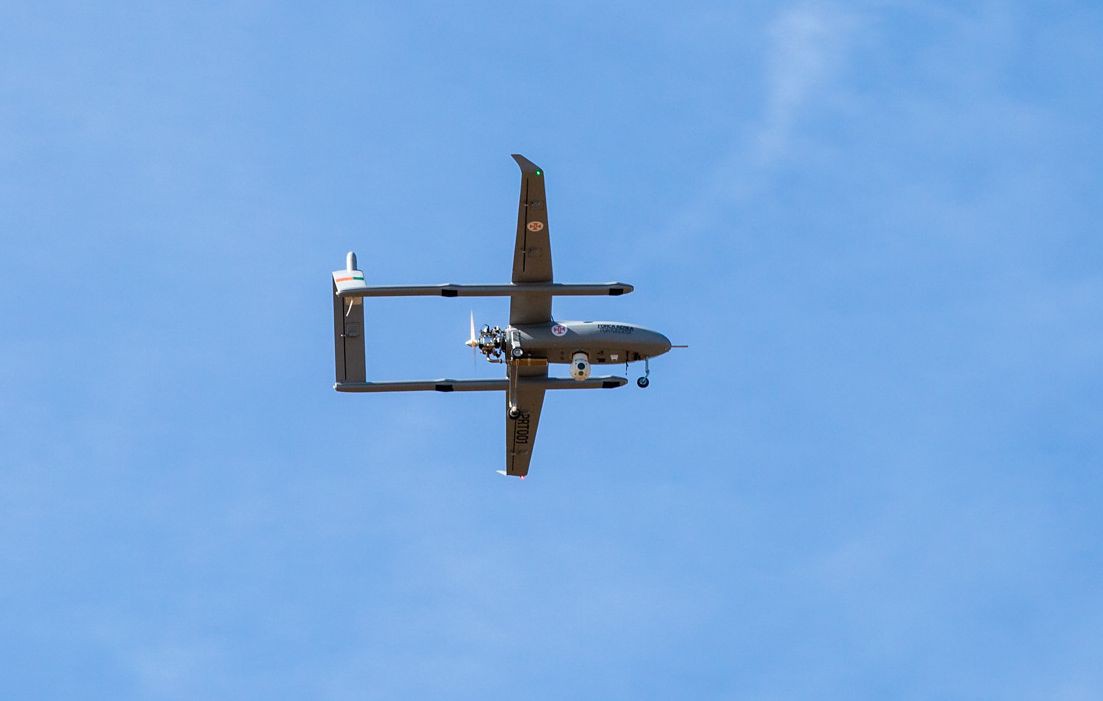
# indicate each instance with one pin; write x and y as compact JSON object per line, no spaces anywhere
{"x":580,"y":366}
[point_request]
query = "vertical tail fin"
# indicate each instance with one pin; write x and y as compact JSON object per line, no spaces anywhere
{"x":348,"y":326}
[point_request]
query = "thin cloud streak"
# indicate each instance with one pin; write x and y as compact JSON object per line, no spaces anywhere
{"x":808,"y":48}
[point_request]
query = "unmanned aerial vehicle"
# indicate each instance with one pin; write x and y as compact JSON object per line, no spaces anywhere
{"x":526,"y":347}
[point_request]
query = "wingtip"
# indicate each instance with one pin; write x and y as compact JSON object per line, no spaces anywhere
{"x":527,"y":166}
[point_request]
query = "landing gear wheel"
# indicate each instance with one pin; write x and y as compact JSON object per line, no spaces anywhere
{"x":643,"y":382}
{"x":517,"y":352}
{"x":514,"y":414}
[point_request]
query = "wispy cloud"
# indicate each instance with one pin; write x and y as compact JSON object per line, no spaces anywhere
{"x":808,"y":45}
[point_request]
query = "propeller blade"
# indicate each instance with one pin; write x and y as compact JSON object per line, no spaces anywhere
{"x":472,"y":341}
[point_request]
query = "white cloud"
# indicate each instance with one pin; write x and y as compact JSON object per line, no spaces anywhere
{"x":806,"y":52}
{"x":808,"y":44}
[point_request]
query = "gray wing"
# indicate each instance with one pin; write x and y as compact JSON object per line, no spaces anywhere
{"x":521,"y":432}
{"x":532,"y":254}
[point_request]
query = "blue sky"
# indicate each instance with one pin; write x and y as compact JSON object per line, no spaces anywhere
{"x":875,"y":474}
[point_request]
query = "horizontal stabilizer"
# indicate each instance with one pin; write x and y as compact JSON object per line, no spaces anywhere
{"x":447,"y":385}
{"x":353,"y":287}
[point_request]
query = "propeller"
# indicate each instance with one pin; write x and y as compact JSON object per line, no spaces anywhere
{"x":472,"y":342}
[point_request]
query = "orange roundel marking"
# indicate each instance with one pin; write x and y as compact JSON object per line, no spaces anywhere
{"x":535,"y":226}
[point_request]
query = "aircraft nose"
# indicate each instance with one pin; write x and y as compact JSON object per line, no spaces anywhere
{"x":663,"y":343}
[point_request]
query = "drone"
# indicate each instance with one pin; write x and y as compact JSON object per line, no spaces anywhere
{"x":531,"y":342}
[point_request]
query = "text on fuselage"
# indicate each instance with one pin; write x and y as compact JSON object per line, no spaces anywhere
{"x":615,"y":328}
